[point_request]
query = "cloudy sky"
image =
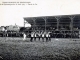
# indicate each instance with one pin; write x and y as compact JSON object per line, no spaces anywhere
{"x":11,"y":14}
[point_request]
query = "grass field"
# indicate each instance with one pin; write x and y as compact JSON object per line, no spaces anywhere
{"x":56,"y":49}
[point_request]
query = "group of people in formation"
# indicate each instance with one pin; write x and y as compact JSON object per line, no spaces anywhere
{"x":40,"y":36}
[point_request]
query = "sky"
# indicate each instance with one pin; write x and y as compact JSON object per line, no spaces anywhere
{"x":14,"y":14}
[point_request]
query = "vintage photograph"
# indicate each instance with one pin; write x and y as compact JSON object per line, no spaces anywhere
{"x":40,"y":30}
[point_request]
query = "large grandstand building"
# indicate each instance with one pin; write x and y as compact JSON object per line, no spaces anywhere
{"x":62,"y":26}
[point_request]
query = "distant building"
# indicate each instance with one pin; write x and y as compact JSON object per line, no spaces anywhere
{"x":12,"y":28}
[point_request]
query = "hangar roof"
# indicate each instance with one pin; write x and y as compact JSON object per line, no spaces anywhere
{"x":52,"y":20}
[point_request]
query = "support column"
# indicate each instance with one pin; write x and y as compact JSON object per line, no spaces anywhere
{"x":57,"y":18}
{"x":71,"y":24}
{"x":34,"y":19}
{"x":25,"y":22}
{"x":45,"y":18}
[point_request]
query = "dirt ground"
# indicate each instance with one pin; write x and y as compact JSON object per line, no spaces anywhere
{"x":56,"y":49}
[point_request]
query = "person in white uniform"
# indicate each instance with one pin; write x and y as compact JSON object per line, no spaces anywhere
{"x":24,"y":36}
{"x":47,"y":35}
{"x":32,"y":36}
{"x":39,"y":35}
{"x":43,"y":36}
{"x":35,"y":36}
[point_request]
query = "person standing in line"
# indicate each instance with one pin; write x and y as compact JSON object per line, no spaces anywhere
{"x":46,"y":37}
{"x":43,"y":37}
{"x":32,"y":35}
{"x":35,"y":36}
{"x":24,"y":36}
{"x":49,"y":36}
{"x":39,"y":35}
